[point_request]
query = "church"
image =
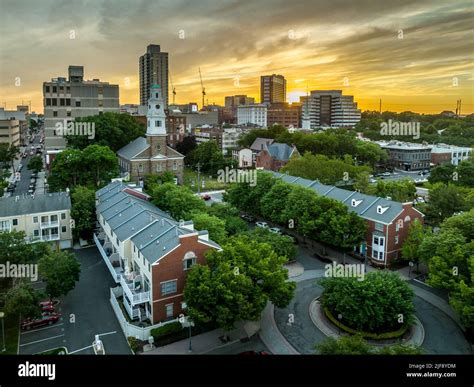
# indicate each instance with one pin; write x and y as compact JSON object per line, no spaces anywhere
{"x":150,"y":154}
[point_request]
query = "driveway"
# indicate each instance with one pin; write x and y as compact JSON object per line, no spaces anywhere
{"x":86,"y":312}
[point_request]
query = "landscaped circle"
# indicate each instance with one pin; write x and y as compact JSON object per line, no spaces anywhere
{"x":379,"y":307}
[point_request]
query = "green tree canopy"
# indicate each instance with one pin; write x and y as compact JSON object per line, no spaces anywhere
{"x":35,"y":164}
{"x":237,"y":283}
{"x":214,"y":225}
{"x":83,"y":212}
{"x":22,"y":299}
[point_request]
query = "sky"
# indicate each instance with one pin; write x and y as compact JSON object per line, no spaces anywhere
{"x":413,"y":55}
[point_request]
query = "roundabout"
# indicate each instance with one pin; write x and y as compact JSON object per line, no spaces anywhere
{"x":296,"y":325}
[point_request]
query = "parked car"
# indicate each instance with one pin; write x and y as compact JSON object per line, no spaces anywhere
{"x":386,"y":174}
{"x":275,"y":230}
{"x":48,"y":305}
{"x":206,"y":197}
{"x":248,"y":218}
{"x":31,"y":191}
{"x":262,"y":224}
{"x":373,"y":181}
{"x":45,"y":319}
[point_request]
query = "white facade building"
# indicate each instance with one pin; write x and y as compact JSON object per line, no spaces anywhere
{"x":329,"y":108}
{"x":252,"y":114}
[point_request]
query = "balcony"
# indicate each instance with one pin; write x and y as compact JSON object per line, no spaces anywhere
{"x":50,"y":237}
{"x":112,"y":261}
{"x":49,"y":224}
{"x":134,"y":296}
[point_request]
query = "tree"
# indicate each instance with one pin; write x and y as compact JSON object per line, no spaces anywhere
{"x":22,"y":299}
{"x":214,"y":225}
{"x":399,"y":190}
{"x":274,"y":201}
{"x":442,"y":174}
{"x":60,"y":270}
{"x":83,"y":212}
{"x":362,"y":182}
{"x":411,"y":246}
{"x":282,"y":245}
{"x":348,"y":298}
{"x":187,"y":145}
{"x":233,"y":224}
{"x":114,"y":130}
{"x":445,"y":201}
{"x":179,"y":201}
{"x":102,"y":163}
{"x":466,"y":173}
{"x":35,"y":164}
{"x":237,"y":283}
{"x":161,"y":178}
{"x":208,"y":155}
{"x":8,"y":154}
{"x":15,"y":249}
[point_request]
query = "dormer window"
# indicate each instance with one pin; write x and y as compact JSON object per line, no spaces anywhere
{"x":381,"y":210}
{"x":355,"y":203}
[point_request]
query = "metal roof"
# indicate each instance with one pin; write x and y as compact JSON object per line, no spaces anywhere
{"x":26,"y":204}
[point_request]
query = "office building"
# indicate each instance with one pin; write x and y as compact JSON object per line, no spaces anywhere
{"x":153,"y":70}
{"x":233,"y":101}
{"x":443,"y":153}
{"x":13,"y":127}
{"x":407,"y":156}
{"x":272,"y":88}
{"x":329,"y":108}
{"x":285,"y":114}
{"x":67,"y":99}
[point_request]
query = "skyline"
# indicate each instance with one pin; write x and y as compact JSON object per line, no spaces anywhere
{"x":413,"y":55}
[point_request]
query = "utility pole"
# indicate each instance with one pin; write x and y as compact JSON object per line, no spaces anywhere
{"x":460,"y":101}
{"x":380,"y":106}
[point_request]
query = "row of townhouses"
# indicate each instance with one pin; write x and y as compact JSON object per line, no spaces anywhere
{"x":387,"y":221}
{"x":147,"y":252}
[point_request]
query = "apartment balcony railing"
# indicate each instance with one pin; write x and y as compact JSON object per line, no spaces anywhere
{"x":134,"y":313}
{"x":49,"y":224}
{"x":134,"y":296}
{"x":50,"y":237}
{"x":115,"y":270}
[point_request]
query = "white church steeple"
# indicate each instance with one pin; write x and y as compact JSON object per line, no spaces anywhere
{"x":156,"y":116}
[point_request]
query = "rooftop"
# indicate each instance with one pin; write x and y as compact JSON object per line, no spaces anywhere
{"x":37,"y":204}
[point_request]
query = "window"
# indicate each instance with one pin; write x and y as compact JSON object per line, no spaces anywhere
{"x":189,"y":260}
{"x":54,"y":102}
{"x":376,"y":240}
{"x":175,"y":166}
{"x":63,"y":229}
{"x":62,"y":102}
{"x":169,"y":310}
{"x":48,"y":101}
{"x":396,"y":239}
{"x":78,"y":103}
{"x":157,"y":123}
{"x":140,"y":167}
{"x":15,"y":222}
{"x":101,"y":103}
{"x":63,"y":215}
{"x":68,"y":114}
{"x":68,"y":89}
{"x":36,"y":233}
{"x":169,"y":287}
{"x":35,"y":219}
{"x":4,"y":225}
{"x":54,"y":218}
{"x":46,"y":88}
{"x":55,"y":89}
{"x":68,"y":101}
{"x":55,"y":113}
{"x":158,"y":167}
{"x":44,"y":219}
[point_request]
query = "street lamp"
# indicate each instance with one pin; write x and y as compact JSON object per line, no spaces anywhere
{"x":2,"y":316}
{"x":409,"y":271}
{"x":189,"y":323}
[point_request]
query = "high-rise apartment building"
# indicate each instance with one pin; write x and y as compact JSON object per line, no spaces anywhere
{"x":329,"y":108}
{"x":153,"y":71}
{"x":252,"y":115}
{"x":272,"y":88}
{"x":67,"y":99}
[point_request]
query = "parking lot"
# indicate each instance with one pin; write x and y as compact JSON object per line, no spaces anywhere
{"x":85,"y":312}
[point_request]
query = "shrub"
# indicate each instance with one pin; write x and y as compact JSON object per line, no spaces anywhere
{"x":166,"y":330}
{"x":381,"y":303}
{"x":134,"y":344}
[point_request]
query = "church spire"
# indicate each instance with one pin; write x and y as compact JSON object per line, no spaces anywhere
{"x":156,"y":116}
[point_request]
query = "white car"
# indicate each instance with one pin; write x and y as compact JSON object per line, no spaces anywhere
{"x":275,"y":230}
{"x":386,"y":174}
{"x":373,"y":181}
{"x":262,"y":224}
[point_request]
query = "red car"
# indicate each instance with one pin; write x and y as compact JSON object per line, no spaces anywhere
{"x":205,"y":197}
{"x":46,"y":319}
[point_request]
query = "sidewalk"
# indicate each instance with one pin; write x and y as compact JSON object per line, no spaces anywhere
{"x":200,"y":344}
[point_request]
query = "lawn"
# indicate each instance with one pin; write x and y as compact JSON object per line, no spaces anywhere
{"x":11,"y":335}
{"x":210,"y":182}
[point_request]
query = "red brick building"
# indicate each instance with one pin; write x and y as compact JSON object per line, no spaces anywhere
{"x":147,"y":252}
{"x":284,"y":114}
{"x":387,"y":221}
{"x":275,"y":156}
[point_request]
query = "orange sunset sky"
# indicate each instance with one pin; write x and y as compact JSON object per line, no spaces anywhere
{"x":414,"y":55}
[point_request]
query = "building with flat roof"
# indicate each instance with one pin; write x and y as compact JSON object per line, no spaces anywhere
{"x":153,"y":70}
{"x":12,"y":124}
{"x":444,"y":153}
{"x":329,"y":108}
{"x":43,"y":218}
{"x":285,"y":114}
{"x":407,"y":156}
{"x":253,"y":115}
{"x":272,"y":88}
{"x":67,"y":99}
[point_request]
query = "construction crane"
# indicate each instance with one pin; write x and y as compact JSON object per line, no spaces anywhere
{"x":172,"y":88}
{"x":202,"y":87}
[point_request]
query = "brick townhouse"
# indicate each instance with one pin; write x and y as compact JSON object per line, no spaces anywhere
{"x":387,"y":221}
{"x":147,"y":252}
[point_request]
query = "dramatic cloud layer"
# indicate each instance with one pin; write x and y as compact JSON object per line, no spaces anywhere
{"x":414,"y":55}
